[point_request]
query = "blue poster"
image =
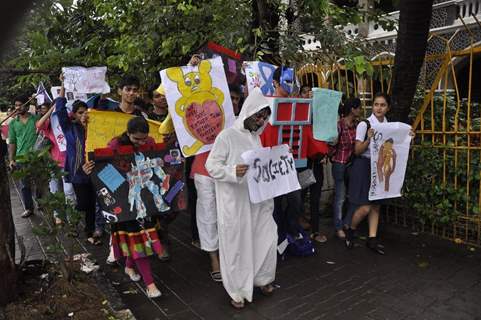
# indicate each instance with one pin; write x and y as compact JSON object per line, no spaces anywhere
{"x":324,"y":114}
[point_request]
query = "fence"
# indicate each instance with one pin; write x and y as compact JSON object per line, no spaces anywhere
{"x":446,"y":117}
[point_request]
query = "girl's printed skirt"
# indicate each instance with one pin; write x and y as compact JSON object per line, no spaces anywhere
{"x":129,"y":239}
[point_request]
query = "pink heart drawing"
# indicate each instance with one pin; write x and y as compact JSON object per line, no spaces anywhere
{"x":204,"y":121}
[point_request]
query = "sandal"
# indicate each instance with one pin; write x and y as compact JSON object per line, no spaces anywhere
{"x":94,"y":241}
{"x":320,"y":238}
{"x":237,"y":305}
{"x":216,"y":276}
{"x":267,"y":290}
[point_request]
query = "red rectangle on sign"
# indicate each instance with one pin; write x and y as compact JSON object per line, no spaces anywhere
{"x":302,"y":112}
{"x":284,"y":111}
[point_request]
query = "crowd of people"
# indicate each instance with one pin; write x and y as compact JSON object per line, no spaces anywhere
{"x":240,"y":237}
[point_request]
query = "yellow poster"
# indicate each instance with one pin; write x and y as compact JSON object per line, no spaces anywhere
{"x":103,"y":126}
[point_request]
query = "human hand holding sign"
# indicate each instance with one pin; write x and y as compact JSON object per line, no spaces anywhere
{"x":88,"y":166}
{"x":241,"y":169}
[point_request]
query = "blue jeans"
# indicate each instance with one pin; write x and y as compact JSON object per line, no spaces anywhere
{"x":339,"y":173}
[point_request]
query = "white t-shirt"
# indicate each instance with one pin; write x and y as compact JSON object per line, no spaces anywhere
{"x":361,"y":133}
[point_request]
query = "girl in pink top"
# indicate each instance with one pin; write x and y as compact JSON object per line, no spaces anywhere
{"x":55,"y":185}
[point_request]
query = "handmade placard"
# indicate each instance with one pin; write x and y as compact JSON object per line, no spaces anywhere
{"x":272,"y":172}
{"x":231,"y":59}
{"x":389,"y":157}
{"x":135,"y":185}
{"x":103,"y":126}
{"x":85,"y":80}
{"x":199,"y":103}
{"x":260,"y":75}
{"x":325,"y":107}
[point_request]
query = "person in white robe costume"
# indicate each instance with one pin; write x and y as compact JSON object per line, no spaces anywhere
{"x":247,"y":231}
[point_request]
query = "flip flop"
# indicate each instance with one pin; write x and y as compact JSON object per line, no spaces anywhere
{"x":216,"y":276}
{"x":267,"y":290}
{"x":237,"y":305}
{"x":316,"y":236}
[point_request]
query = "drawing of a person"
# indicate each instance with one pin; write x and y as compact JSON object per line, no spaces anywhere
{"x":386,"y":162}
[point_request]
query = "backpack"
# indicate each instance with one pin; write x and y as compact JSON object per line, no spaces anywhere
{"x":301,"y":247}
{"x":368,"y":124}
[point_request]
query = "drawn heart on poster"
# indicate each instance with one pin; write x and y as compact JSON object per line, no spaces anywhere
{"x":205,"y":121}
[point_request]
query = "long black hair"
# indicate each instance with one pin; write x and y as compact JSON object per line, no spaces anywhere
{"x":135,"y":125}
{"x":349,"y":104}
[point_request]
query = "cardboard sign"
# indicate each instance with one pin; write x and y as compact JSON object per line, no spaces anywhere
{"x":231,"y":59}
{"x":260,"y":75}
{"x":272,"y":172}
{"x":133,"y":186}
{"x":103,"y":126}
{"x":199,"y":103}
{"x":325,"y":108}
{"x":85,"y":80}
{"x":389,"y":157}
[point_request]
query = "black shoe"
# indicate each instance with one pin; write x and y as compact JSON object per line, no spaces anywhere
{"x":373,"y":244}
{"x":26,"y":213}
{"x":349,"y":240}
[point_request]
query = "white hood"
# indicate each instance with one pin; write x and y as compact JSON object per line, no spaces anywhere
{"x":254,"y":103}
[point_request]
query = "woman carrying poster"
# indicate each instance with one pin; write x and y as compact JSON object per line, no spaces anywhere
{"x":135,"y":240}
{"x":247,"y":231}
{"x":360,"y":175}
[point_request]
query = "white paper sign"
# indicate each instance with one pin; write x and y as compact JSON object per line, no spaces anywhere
{"x":57,"y":130}
{"x":389,"y":157}
{"x":85,"y":80}
{"x":272,"y":172}
{"x":199,"y":102}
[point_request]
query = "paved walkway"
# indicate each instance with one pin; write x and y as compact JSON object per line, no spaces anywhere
{"x":419,"y":278}
{"x":23,"y":228}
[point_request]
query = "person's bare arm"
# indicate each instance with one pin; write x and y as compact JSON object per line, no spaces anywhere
{"x":361,"y":146}
{"x":44,"y":118}
{"x":62,"y":87}
{"x":12,"y":150}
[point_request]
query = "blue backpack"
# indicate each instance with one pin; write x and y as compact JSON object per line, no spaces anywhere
{"x":301,"y":247}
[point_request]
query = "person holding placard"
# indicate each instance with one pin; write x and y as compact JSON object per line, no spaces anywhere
{"x":247,"y":231}
{"x":134,"y":240}
{"x":360,"y":176}
{"x":128,"y":90}
{"x":74,"y":130}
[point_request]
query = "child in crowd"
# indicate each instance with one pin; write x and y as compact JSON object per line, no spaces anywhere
{"x":134,"y":240}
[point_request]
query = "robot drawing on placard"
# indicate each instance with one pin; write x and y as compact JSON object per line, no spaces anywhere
{"x":200,"y":105}
{"x":140,"y":177}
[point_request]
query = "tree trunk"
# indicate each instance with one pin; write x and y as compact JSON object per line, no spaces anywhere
{"x":414,"y":19}
{"x":265,"y":14}
{"x":8,"y":272}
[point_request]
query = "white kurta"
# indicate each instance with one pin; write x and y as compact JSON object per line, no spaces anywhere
{"x":247,"y":231}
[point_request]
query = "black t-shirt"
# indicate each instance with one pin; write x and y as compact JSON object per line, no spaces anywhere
{"x":137,"y":112}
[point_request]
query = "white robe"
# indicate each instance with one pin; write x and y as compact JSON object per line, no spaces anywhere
{"x":247,"y":231}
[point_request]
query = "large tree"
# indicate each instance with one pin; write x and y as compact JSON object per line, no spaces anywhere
{"x":414,"y":21}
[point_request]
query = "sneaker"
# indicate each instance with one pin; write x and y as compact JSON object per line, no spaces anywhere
{"x":26,"y":214}
{"x":153,"y":293}
{"x":372,"y":243}
{"x":135,"y":277}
